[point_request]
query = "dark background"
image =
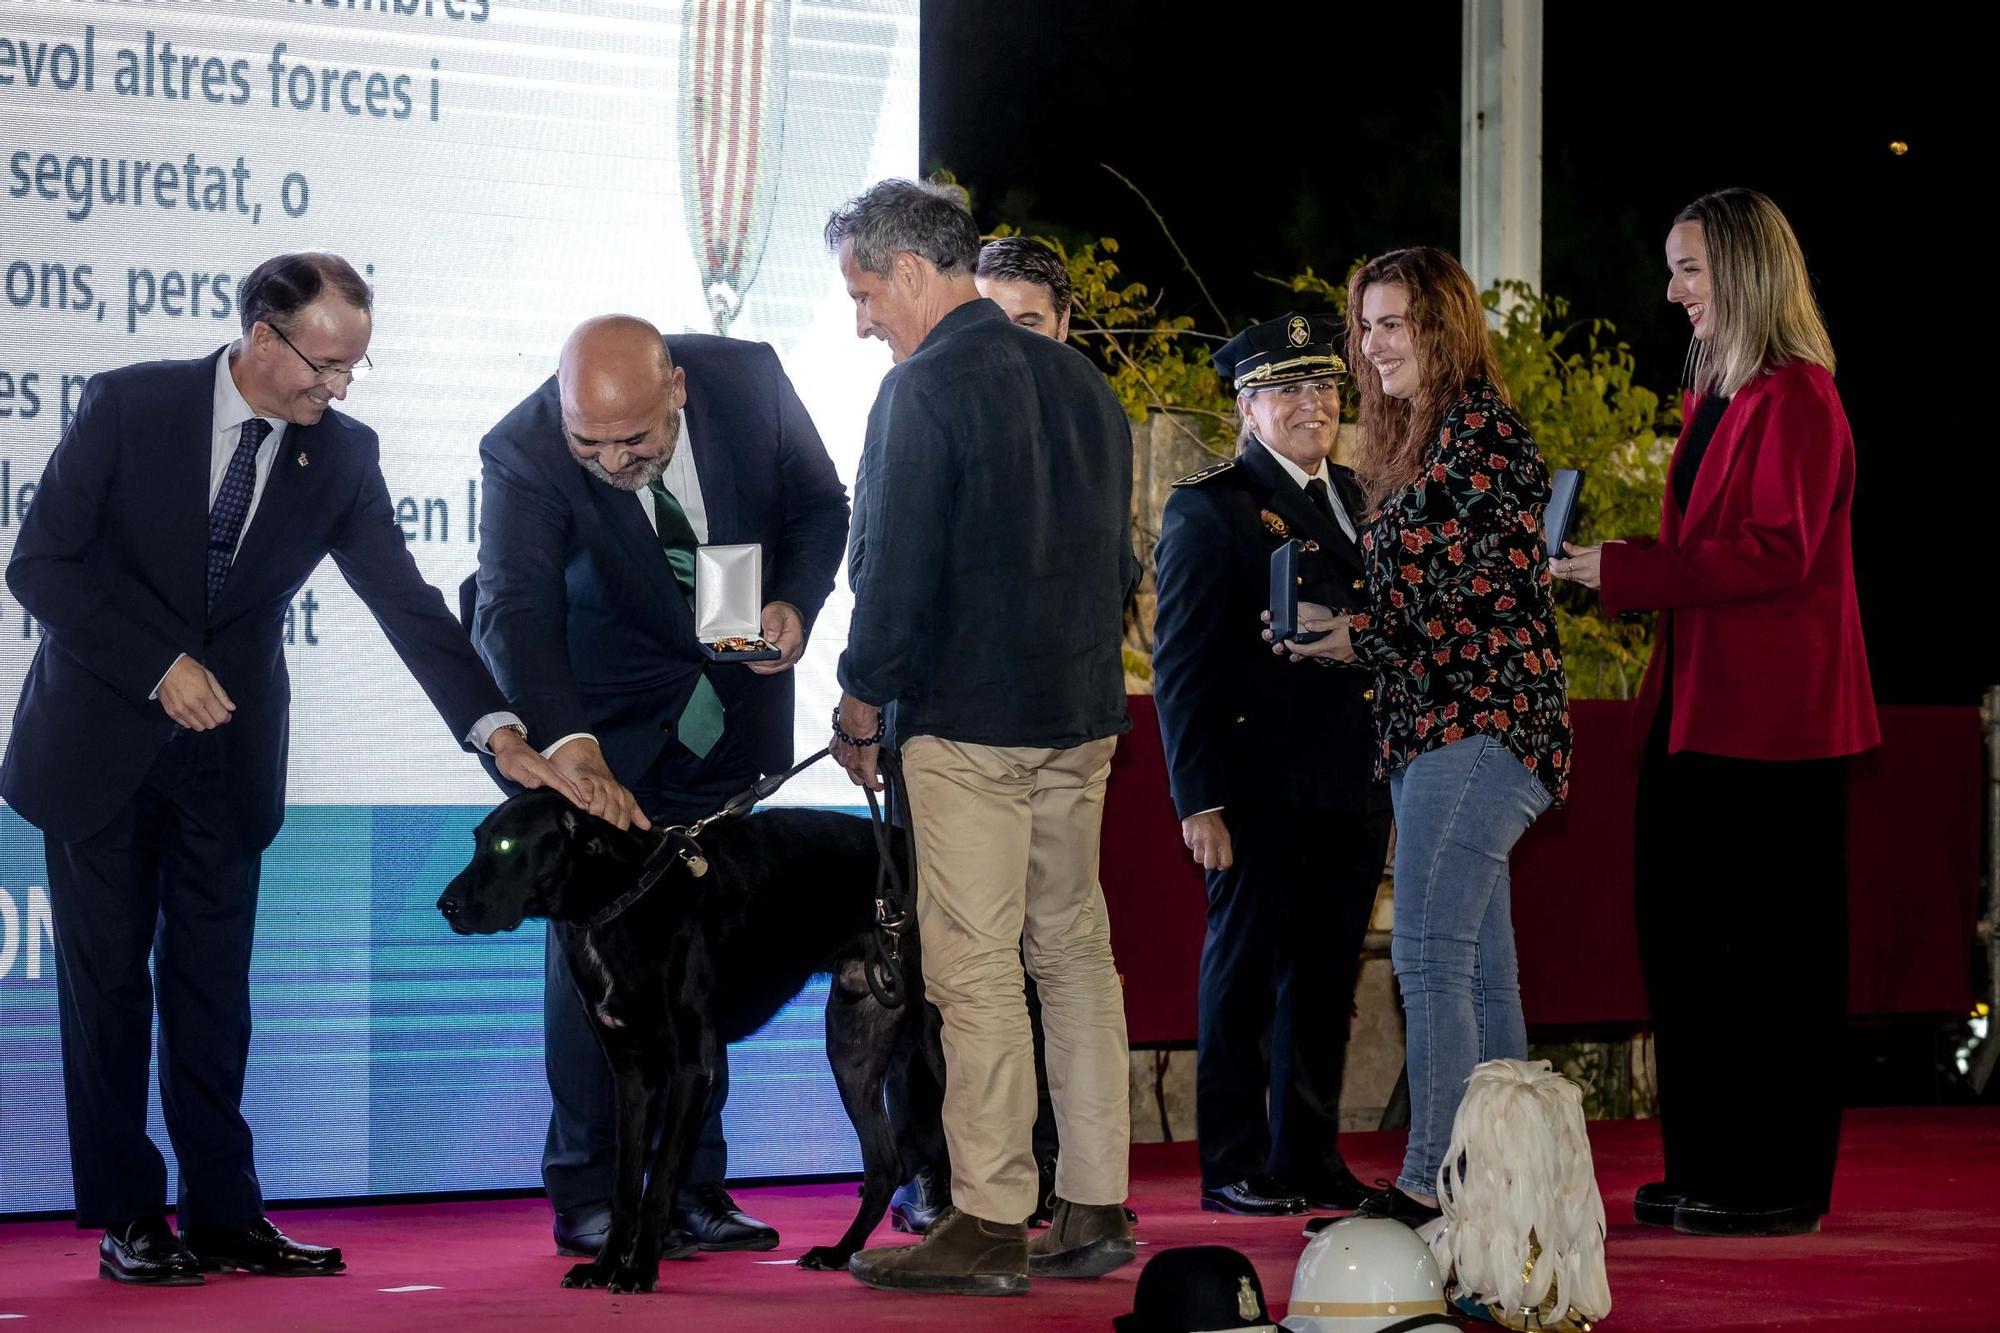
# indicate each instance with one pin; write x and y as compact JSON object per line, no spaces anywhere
{"x":1318,"y":134}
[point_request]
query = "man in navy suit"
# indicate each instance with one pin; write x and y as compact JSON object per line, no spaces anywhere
{"x":1271,"y":764}
{"x":184,"y":508}
{"x":598,"y":489}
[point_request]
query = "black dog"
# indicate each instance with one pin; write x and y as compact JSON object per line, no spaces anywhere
{"x":695,"y":962}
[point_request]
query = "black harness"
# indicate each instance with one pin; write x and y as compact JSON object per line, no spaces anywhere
{"x":680,"y":842}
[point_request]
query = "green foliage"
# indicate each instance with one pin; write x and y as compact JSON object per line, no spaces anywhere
{"x":1156,"y":362}
{"x":1574,"y":386}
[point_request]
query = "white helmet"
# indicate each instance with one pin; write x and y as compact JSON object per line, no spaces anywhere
{"x":1367,"y":1275}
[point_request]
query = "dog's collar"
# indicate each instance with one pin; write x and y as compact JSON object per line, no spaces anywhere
{"x":676,"y":844}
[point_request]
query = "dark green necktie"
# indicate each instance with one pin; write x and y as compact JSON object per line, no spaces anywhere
{"x":700,"y":725}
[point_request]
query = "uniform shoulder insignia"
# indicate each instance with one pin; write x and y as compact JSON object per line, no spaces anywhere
{"x":1211,"y":471}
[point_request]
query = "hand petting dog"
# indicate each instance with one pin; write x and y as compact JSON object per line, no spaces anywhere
{"x":581,"y":763}
{"x":522,"y":764}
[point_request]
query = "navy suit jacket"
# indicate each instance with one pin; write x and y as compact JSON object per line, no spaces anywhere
{"x":577,"y":609}
{"x":112,"y":560}
{"x":1241,"y":724}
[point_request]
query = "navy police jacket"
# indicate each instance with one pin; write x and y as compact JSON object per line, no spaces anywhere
{"x":1242,"y":724}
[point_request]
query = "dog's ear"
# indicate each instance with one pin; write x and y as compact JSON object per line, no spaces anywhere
{"x":593,"y":837}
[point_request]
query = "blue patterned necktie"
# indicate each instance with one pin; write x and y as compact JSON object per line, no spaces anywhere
{"x":700,"y":724}
{"x":232,"y":504}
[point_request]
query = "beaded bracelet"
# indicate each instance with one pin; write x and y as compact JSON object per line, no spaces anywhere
{"x":881,"y":729}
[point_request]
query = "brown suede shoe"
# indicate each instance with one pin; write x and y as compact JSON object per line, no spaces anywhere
{"x":961,"y":1255}
{"x":1083,"y":1240}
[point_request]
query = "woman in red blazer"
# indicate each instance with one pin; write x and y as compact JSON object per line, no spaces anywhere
{"x":1757,"y":691}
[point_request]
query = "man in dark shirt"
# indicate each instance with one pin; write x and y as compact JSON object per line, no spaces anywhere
{"x":987,"y":621}
{"x":1028,"y":281}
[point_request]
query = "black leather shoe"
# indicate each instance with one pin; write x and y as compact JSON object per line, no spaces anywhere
{"x":1334,"y":1190}
{"x":1653,"y":1204}
{"x":147,"y":1253}
{"x":580,"y":1234}
{"x":580,"y":1231}
{"x":710,"y":1216}
{"x":260,"y":1248}
{"x":1257,"y":1196}
{"x":1397,"y":1206}
{"x":920,"y":1202}
{"x":1694,"y":1217}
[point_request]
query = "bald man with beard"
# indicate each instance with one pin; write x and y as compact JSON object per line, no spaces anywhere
{"x":597,"y":490}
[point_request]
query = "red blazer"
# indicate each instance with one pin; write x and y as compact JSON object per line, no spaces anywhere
{"x":1755,"y":583}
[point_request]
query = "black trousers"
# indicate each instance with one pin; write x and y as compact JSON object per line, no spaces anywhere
{"x":1741,"y":905}
{"x":1278,"y":968}
{"x":579,"y":1156}
{"x":169,"y":877}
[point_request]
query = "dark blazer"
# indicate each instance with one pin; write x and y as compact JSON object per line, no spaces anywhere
{"x":1755,"y":583}
{"x":111,"y":559}
{"x":578,"y":611}
{"x":989,"y":608}
{"x":1240,"y":723}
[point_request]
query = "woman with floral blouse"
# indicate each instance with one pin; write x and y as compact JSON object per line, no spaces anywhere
{"x":1471,"y":706}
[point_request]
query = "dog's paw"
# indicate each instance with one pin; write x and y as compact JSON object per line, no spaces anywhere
{"x":586,"y":1275}
{"x":824,"y":1259}
{"x":630,"y":1277}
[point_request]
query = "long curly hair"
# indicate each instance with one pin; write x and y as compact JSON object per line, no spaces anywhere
{"x":1447,"y":327}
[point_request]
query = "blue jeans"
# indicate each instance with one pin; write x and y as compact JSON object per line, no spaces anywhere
{"x":1459,"y":810}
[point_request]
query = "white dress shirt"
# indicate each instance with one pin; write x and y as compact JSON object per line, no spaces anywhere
{"x":231,"y":411}
{"x":684,"y":484}
{"x":1301,"y":476}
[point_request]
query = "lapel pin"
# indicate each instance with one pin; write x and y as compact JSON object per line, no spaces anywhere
{"x":303,"y":460}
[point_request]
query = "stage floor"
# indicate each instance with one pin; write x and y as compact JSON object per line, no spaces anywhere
{"x":1914,"y":1243}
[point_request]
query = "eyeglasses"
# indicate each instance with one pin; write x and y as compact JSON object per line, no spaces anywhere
{"x":327,"y":374}
{"x":1298,"y":388}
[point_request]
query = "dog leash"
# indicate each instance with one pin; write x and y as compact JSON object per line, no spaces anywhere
{"x":679,"y":842}
{"x":892,"y":911}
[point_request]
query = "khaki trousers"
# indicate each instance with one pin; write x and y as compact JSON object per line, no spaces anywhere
{"x":1007,"y":845}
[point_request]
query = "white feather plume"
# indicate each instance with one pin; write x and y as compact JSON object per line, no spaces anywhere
{"x":1523,"y":1225}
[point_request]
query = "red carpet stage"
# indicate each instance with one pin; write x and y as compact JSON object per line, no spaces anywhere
{"x":1912,"y":1245}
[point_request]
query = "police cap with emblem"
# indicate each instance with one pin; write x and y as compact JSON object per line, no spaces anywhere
{"x":1197,"y":1289}
{"x":1278,"y":351}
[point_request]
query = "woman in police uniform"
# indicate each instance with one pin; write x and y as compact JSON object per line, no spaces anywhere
{"x":1271,"y":765}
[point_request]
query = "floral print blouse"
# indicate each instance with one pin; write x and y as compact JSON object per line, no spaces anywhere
{"x":1460,"y":628}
